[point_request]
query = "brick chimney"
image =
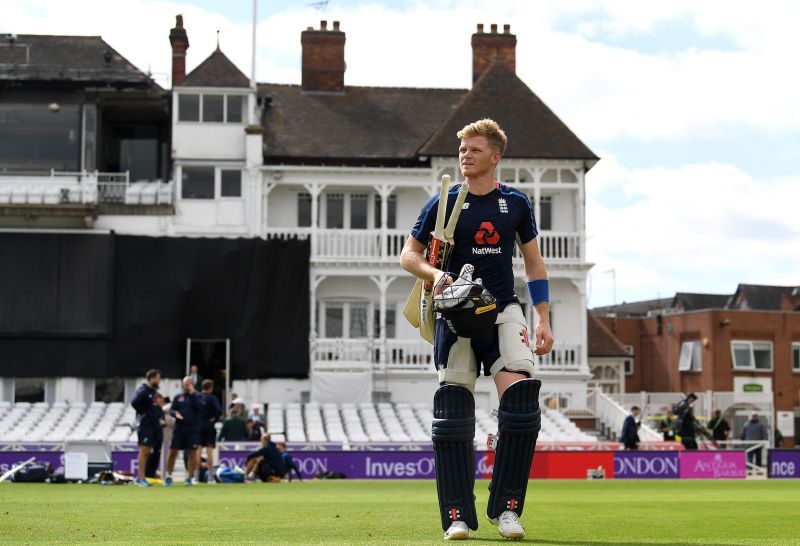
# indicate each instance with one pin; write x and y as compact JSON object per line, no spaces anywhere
{"x":486,"y":47}
{"x":323,"y":59}
{"x":180,"y":43}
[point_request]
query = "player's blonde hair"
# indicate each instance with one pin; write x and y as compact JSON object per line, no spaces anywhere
{"x":489,"y":129}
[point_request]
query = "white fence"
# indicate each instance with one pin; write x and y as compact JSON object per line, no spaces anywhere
{"x":564,"y":357}
{"x":612,"y":414}
{"x":374,"y":245}
{"x":83,"y":187}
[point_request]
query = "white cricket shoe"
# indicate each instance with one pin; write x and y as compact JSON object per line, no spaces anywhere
{"x":509,"y":526}
{"x":458,"y":531}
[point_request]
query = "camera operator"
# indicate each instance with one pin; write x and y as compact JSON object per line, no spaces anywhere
{"x":688,"y":429}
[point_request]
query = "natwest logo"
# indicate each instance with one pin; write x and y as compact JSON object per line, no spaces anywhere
{"x":486,"y":234}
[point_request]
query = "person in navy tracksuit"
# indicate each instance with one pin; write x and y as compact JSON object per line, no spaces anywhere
{"x":186,"y":408}
{"x":209,"y":414}
{"x":148,"y":416}
{"x":629,"y":436}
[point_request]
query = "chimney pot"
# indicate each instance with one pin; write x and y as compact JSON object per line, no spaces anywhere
{"x":309,"y":28}
{"x":480,"y":28}
{"x":323,"y":59}
{"x":180,"y":43}
{"x":487,"y":48}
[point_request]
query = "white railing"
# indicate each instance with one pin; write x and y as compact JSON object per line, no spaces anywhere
{"x":342,"y":350}
{"x":612,"y":416}
{"x":374,"y":245}
{"x":556,"y":246}
{"x":83,"y":187}
{"x":564,"y":357}
{"x":408,"y":354}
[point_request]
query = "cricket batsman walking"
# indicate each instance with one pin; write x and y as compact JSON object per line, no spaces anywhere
{"x":494,"y":217}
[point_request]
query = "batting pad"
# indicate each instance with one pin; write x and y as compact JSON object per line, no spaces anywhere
{"x":519,"y":420}
{"x":454,"y":454}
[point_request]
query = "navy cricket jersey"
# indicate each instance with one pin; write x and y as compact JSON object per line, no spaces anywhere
{"x":144,"y":402}
{"x":190,"y":406}
{"x":485,"y":235}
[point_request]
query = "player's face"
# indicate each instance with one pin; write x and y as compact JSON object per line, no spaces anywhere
{"x":476,"y":157}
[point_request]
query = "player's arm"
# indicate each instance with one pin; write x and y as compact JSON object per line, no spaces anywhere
{"x":536,"y":272}
{"x":412,"y":259}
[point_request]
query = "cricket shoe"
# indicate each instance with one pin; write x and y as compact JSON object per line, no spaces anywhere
{"x":509,"y":526}
{"x":458,"y":530}
{"x":167,"y":481}
{"x":188,"y":482}
{"x":143,"y":483}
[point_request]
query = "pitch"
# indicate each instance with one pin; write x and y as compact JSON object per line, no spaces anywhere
{"x":399,"y":512}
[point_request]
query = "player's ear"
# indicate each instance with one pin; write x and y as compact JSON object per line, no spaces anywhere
{"x":496,"y":157}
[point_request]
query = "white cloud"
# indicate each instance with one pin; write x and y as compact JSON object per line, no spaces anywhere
{"x":697,"y":228}
{"x":602,"y":92}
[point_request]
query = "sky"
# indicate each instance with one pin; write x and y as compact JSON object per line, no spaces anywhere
{"x":692,"y":107}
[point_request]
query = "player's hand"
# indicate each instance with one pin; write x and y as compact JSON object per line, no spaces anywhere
{"x":544,"y":339}
{"x":178,"y":416}
{"x":439,"y":282}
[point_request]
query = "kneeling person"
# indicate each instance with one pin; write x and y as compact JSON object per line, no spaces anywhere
{"x":266,"y":462}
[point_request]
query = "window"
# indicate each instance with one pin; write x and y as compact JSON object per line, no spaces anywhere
{"x":628,"y":366}
{"x":390,"y":324}
{"x":28,"y":390}
{"x":188,"y":107}
{"x":234,"y":110}
{"x":796,"y":356}
{"x":197,"y":183}
{"x":691,"y":357}
{"x":546,"y":213}
{"x":334,"y":319}
{"x":109,"y":390}
{"x":358,"y":211}
{"x":334,"y":215}
{"x":358,"y":319}
{"x":303,"y":209}
{"x":391,"y":212}
{"x":32,"y":137}
{"x":751,"y":355}
{"x":212,"y":108}
{"x":231,"y":183}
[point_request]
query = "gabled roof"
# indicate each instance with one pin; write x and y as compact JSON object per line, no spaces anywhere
{"x":216,"y":71}
{"x":602,"y":341}
{"x":687,"y":301}
{"x":758,"y":297}
{"x":363,"y":123}
{"x":47,"y":58}
{"x":534,"y":130}
{"x":634,"y":308}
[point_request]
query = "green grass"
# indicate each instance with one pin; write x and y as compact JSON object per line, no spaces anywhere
{"x":399,"y":512}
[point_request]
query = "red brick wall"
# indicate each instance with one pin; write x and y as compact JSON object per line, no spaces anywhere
{"x":656,"y":355}
{"x":323,"y":59}
{"x":486,"y":47}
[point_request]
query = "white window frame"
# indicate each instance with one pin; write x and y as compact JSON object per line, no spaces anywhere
{"x":217,"y":182}
{"x":628,"y":366}
{"x":752,"y":364}
{"x":691,"y":356}
{"x":796,"y":350}
{"x":371,"y":306}
{"x":200,"y":119}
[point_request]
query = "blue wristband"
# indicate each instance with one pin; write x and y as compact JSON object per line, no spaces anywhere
{"x":539,"y":291}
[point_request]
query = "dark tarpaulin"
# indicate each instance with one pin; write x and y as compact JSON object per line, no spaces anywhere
{"x":56,"y":285}
{"x":252,"y":291}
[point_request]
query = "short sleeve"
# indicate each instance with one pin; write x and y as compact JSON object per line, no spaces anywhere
{"x":426,"y":222}
{"x":526,"y":228}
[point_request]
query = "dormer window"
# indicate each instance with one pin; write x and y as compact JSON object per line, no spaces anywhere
{"x":215,"y":108}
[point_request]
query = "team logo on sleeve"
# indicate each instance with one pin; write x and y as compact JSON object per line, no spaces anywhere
{"x":488,"y":237}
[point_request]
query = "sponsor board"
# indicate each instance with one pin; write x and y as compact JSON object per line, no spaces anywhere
{"x":571,"y":465}
{"x":713,"y":464}
{"x":646,"y":464}
{"x":354,"y":464}
{"x":784,"y":463}
{"x":123,"y":460}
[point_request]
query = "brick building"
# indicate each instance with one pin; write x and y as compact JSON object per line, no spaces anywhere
{"x":745,"y":342}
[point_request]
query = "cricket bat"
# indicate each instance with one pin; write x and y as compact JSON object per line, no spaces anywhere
{"x":16,"y":469}
{"x":438,"y":253}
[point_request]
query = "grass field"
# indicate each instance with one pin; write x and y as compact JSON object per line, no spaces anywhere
{"x":398,"y":512}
